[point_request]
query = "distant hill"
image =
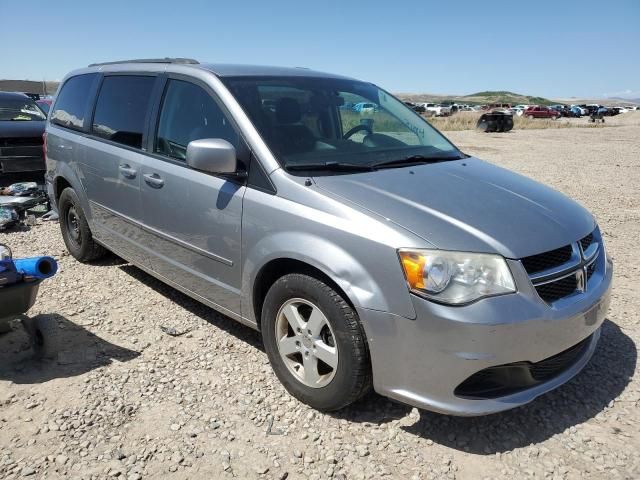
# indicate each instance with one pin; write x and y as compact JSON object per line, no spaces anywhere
{"x":479,"y":98}
{"x":503,"y":96}
{"x":28,"y":86}
{"x":627,"y":100}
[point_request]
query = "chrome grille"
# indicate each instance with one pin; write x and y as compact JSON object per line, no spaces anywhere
{"x":555,"y":290}
{"x":590,"y":269}
{"x":565,"y":271}
{"x":586,"y":241}
{"x":547,"y":260}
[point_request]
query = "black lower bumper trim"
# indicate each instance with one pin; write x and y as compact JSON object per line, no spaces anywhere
{"x":502,"y":380}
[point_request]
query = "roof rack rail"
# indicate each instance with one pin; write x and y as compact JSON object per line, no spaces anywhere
{"x":187,"y":61}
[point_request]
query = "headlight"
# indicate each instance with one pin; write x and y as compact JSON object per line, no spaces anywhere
{"x":456,"y":277}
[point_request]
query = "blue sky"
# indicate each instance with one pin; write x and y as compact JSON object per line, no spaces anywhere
{"x":549,"y":48}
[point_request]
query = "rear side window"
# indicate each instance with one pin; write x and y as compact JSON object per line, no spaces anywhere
{"x":190,"y":113}
{"x":121,"y":109}
{"x":72,"y":105}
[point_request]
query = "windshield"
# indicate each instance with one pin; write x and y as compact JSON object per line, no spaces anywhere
{"x":324,"y":120}
{"x":20,"y":109}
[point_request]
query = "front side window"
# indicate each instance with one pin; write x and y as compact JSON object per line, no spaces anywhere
{"x":121,"y":109}
{"x":73,"y":101}
{"x":19,"y":109}
{"x":189,"y":113}
{"x":318,"y":121}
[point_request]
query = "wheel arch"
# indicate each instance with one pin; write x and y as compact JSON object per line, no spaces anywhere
{"x":59,"y":184}
{"x":276,"y":268}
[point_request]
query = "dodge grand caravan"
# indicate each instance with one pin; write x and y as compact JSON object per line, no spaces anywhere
{"x":368,"y":249}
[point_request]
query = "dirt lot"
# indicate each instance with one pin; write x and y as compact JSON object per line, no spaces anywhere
{"x":123,"y":399}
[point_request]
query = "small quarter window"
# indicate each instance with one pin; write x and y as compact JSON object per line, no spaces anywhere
{"x":72,"y":104}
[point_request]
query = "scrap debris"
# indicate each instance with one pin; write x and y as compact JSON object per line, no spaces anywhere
{"x":16,"y":199}
{"x":173,"y":332}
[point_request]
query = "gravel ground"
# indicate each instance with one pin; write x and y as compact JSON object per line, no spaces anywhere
{"x":123,"y":399}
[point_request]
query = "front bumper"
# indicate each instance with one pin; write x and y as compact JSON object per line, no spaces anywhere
{"x":421,"y":361}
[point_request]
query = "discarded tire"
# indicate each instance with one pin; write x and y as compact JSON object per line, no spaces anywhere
{"x":495,"y":122}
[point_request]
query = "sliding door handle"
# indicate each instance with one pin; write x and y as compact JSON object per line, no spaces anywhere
{"x":127,"y":171}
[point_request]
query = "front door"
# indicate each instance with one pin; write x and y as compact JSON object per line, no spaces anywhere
{"x":193,"y":218}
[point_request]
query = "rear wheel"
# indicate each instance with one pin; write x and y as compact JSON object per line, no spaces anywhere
{"x":75,"y":229}
{"x":315,"y":343}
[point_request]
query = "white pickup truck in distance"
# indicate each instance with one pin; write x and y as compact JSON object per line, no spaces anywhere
{"x":437,"y":109}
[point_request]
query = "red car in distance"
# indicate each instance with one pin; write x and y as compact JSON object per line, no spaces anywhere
{"x":541,"y":112}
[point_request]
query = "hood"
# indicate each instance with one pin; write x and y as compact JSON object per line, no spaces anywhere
{"x":15,"y":129}
{"x":467,"y":205}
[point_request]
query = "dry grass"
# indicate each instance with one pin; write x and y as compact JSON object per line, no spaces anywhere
{"x":468,"y":120}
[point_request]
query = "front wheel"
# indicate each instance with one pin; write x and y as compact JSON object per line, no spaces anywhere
{"x":315,"y":343}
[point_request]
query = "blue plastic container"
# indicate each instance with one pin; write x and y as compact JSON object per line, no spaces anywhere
{"x":36,"y":267}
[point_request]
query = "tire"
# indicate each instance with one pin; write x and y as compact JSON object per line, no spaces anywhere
{"x":44,"y":335}
{"x":75,"y":230}
{"x":305,"y":296}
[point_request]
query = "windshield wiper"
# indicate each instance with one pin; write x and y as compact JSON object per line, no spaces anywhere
{"x":331,"y":166}
{"x":413,"y":160}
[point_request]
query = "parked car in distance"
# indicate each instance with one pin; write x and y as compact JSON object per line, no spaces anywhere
{"x":438,"y":109}
{"x":516,"y":111}
{"x":365,"y":107}
{"x":593,"y":108}
{"x":22,"y":125}
{"x":503,"y":107}
{"x":44,"y":104}
{"x":415,"y":107}
{"x":577,"y":111}
{"x":541,"y":112}
{"x":370,"y":252}
{"x":562,"y":110}
{"x":577,"y":108}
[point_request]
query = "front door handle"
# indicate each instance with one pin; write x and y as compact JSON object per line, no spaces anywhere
{"x":127,"y":171}
{"x":153,"y":180}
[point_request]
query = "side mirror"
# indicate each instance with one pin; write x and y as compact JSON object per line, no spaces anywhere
{"x":213,"y":155}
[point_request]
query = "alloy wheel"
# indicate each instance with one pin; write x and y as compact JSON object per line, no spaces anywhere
{"x":306,"y":342}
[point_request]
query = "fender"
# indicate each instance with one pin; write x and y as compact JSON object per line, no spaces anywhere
{"x":72,"y":177}
{"x":359,"y":284}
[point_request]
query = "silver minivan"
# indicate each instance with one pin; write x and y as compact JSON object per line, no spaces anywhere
{"x":367,"y":248}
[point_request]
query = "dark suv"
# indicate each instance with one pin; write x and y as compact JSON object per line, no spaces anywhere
{"x":22,"y":125}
